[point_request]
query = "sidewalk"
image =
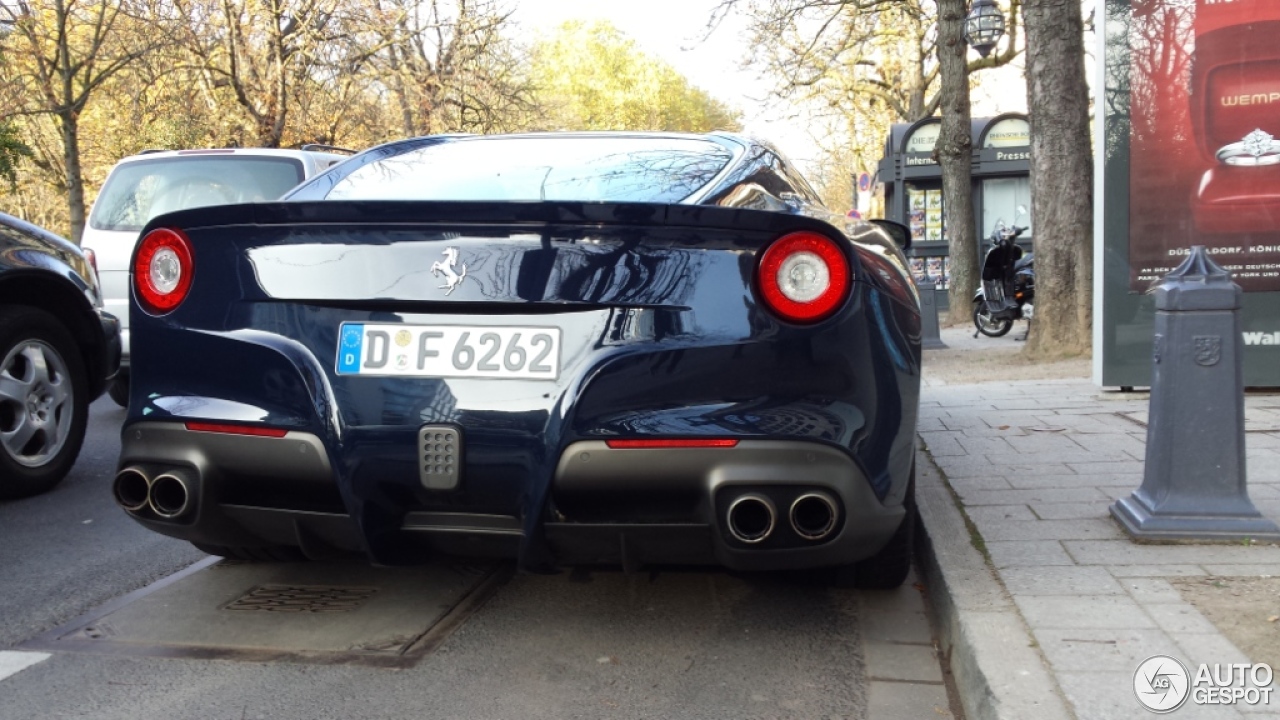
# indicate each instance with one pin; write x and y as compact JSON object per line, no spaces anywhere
{"x":1047,"y":607}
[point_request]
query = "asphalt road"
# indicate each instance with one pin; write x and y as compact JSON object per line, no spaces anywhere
{"x":590,"y":644}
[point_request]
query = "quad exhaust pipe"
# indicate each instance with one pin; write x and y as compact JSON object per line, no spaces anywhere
{"x":170,"y":494}
{"x":752,"y":518}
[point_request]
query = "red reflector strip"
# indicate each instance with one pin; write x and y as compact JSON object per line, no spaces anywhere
{"x":669,"y":443}
{"x":256,"y":430}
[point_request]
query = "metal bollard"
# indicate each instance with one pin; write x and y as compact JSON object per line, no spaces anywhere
{"x":1193,"y":483}
{"x":930,"y":339}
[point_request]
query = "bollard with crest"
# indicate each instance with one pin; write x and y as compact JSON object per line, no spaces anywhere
{"x":1194,"y":484}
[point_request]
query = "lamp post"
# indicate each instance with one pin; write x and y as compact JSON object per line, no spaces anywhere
{"x":984,"y":26}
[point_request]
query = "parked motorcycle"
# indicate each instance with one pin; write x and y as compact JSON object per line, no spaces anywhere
{"x":1008,"y":284}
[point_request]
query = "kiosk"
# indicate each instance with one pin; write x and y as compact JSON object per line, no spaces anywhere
{"x":912,"y":182}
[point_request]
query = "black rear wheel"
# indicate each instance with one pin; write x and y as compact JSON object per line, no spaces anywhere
{"x":119,"y":389}
{"x":986,"y":324}
{"x":888,"y":568}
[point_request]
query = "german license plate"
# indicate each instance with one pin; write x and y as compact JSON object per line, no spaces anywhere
{"x":449,"y":351}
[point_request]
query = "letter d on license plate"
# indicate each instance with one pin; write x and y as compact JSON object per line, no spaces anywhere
{"x":449,"y":351}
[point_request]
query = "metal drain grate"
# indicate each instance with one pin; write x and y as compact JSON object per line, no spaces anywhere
{"x":439,"y":456}
{"x":302,"y":599}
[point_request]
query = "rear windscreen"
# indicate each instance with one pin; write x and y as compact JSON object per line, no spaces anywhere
{"x":568,"y":168}
{"x":137,"y":191}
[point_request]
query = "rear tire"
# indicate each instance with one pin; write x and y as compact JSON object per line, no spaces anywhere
{"x":119,"y":389}
{"x":44,"y":404}
{"x":986,"y":325}
{"x":253,"y":554}
{"x":888,"y":568}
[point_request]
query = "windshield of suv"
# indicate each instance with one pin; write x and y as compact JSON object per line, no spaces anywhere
{"x":139,"y":190}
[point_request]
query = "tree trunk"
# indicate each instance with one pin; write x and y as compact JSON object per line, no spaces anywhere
{"x":70,"y":127}
{"x":1061,"y":179}
{"x":954,"y":153}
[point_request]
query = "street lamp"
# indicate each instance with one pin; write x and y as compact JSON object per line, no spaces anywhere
{"x":984,"y":26}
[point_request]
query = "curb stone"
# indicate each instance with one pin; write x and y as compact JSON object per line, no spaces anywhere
{"x":999,"y":671}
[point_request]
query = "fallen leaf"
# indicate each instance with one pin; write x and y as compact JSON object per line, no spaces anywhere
{"x":1003,"y":427}
{"x":1273,"y":618}
{"x":1047,"y":429}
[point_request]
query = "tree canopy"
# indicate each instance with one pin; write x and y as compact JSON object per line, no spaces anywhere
{"x":590,"y":76}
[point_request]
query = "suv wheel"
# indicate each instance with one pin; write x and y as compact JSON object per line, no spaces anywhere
{"x":44,"y":407}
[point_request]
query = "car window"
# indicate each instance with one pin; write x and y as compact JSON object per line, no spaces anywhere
{"x":577,"y":168}
{"x":137,"y":191}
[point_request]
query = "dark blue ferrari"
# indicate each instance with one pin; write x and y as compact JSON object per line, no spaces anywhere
{"x":635,"y":348}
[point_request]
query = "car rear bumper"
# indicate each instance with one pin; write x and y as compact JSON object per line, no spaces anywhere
{"x":607,"y":505}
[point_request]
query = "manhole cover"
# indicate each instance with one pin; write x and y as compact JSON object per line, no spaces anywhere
{"x":302,"y":599}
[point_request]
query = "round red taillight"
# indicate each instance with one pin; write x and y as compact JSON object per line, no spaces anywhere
{"x":804,"y":277}
{"x":162,"y":270}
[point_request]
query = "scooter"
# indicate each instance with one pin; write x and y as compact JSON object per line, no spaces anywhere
{"x":1008,"y":284}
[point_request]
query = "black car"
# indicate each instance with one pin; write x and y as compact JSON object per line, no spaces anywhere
{"x":58,"y":350}
{"x":567,"y":348}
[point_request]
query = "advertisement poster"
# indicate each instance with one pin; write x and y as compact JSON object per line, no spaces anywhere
{"x":1205,"y":139}
{"x":916,"y":213}
{"x":917,"y":269}
{"x":933,"y":215}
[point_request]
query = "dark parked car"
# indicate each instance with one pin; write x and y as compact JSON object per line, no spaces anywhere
{"x":58,"y":351}
{"x":563,"y":348}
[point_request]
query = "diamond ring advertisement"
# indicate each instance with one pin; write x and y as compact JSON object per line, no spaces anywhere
{"x":1257,"y":148}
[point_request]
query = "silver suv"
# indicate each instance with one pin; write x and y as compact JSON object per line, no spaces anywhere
{"x":149,"y":184}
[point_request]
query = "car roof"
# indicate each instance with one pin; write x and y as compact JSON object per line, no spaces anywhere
{"x":260,"y":152}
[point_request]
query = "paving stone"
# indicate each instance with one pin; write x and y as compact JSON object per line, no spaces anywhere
{"x":1124,"y":552}
{"x":1067,"y":481}
{"x":1051,"y":530}
{"x":897,"y":661}
{"x":872,"y":603}
{"x":1263,"y":570}
{"x":1035,"y":553}
{"x":1111,"y":467}
{"x":1033,"y":495}
{"x":1096,"y":650}
{"x":906,"y":701}
{"x":1093,"y":463}
{"x":986,"y":446}
{"x":1082,"y":611}
{"x":967,"y":485}
{"x":1158,"y":571}
{"x":1179,"y":617}
{"x":902,"y":627}
{"x":1059,"y":580}
{"x":999,"y":513}
{"x":943,"y":443}
{"x":1207,"y":648}
{"x":982,"y":466}
{"x":1072,"y":511}
{"x":1151,"y":590}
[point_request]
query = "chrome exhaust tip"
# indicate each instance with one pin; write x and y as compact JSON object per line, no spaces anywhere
{"x":131,"y":488}
{"x":170,"y":495}
{"x":813,"y":515}
{"x":751,"y":518}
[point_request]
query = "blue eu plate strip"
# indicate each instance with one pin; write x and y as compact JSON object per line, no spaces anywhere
{"x":350,"y":348}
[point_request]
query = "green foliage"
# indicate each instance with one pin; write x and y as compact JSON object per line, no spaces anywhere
{"x":593,"y":77}
{"x":12,"y":150}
